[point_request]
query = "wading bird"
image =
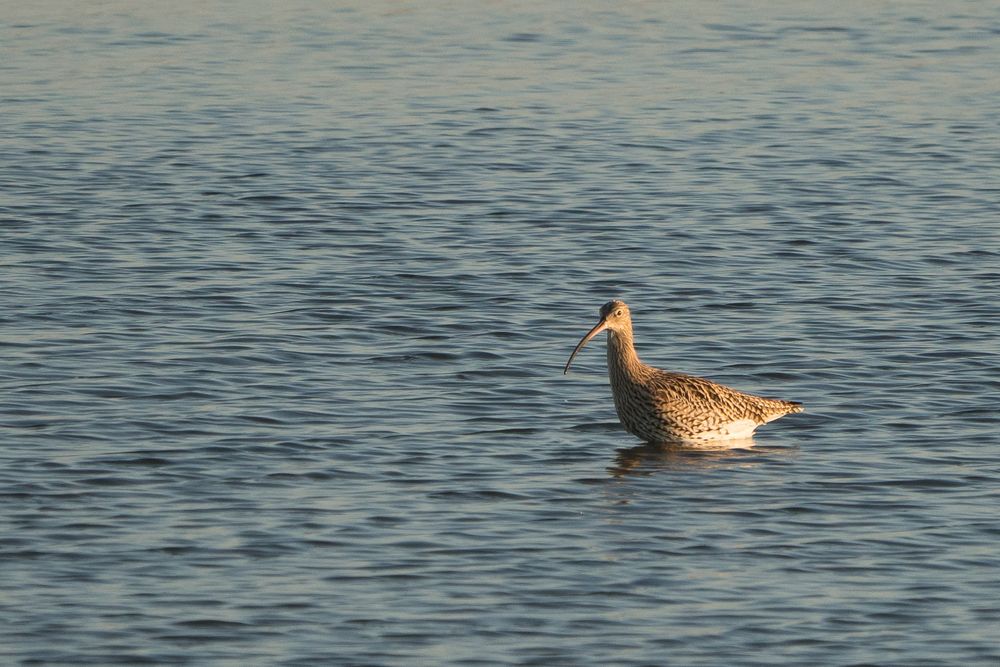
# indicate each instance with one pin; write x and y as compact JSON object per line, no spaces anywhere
{"x":665,"y":407}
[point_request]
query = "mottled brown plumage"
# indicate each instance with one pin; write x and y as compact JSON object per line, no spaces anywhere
{"x":661,"y":406}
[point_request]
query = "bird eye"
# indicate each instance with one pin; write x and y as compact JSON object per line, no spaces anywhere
{"x":618,"y":313}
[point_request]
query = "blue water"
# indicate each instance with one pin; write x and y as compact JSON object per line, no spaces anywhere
{"x":287,"y":291}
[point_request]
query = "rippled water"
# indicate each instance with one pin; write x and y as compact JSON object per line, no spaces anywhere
{"x":287,"y":292}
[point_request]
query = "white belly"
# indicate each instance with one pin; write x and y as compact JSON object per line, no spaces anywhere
{"x":740,"y":429}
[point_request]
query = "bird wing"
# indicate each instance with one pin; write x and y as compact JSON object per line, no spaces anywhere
{"x":704,"y":405}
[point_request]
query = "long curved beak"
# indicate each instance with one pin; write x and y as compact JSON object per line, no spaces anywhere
{"x":601,"y":326}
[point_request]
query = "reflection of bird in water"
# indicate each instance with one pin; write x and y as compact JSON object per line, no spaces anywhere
{"x":649,"y":458}
{"x":661,"y":406}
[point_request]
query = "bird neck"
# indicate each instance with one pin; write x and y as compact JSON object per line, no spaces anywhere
{"x":622,"y":358}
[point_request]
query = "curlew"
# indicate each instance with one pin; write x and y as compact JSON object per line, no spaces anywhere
{"x":665,"y":407}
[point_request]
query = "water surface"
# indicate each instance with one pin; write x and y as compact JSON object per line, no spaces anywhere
{"x":287,"y":292}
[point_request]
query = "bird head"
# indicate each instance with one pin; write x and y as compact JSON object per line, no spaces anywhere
{"x":615,"y":316}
